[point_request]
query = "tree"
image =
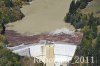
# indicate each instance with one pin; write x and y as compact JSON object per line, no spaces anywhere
{"x":7,"y":58}
{"x":3,"y":28}
{"x":72,"y":7}
{"x":78,"y":3}
{"x":83,"y":4}
{"x":97,"y":50}
{"x":8,"y":3}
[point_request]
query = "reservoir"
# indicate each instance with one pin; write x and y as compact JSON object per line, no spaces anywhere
{"x":42,"y":16}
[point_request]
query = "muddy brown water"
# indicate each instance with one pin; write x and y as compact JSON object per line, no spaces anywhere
{"x":42,"y":16}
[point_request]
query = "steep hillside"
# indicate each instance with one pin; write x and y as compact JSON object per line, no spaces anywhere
{"x":84,"y":15}
{"x":9,"y":12}
{"x":94,"y":7}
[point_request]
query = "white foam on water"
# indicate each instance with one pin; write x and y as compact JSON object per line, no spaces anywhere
{"x":62,"y":30}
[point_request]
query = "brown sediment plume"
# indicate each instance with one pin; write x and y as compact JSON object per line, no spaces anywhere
{"x":42,"y":16}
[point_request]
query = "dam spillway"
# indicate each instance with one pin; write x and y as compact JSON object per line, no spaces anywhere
{"x":59,"y":53}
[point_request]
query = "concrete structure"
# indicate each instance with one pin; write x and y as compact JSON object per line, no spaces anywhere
{"x":56,"y":54}
{"x":48,"y":52}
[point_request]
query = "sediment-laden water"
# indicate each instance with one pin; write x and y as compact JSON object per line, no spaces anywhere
{"x":42,"y":16}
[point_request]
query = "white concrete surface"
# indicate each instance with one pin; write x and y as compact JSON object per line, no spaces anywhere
{"x":62,"y":52}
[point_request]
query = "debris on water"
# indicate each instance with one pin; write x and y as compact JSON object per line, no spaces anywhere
{"x":59,"y":35}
